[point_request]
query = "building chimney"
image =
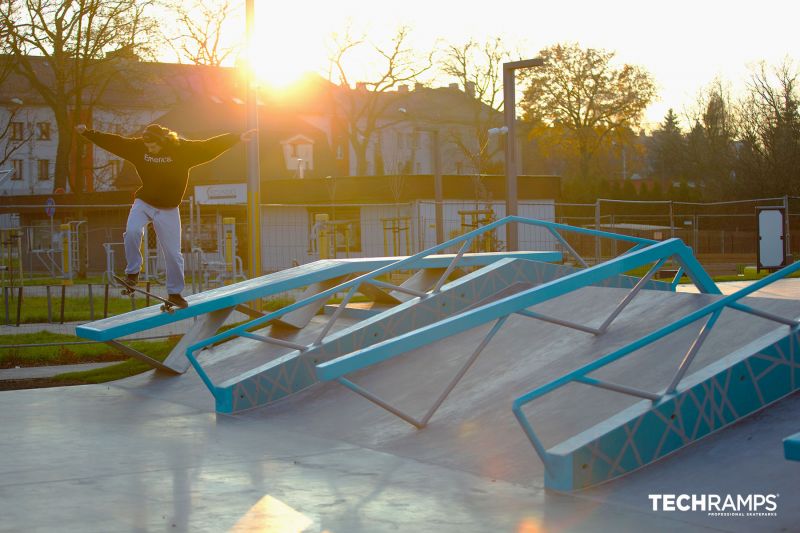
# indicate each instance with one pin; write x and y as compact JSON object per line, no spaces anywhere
{"x":419,"y":86}
{"x":453,"y":86}
{"x":470,"y":89}
{"x":402,"y":88}
{"x":361,"y":86}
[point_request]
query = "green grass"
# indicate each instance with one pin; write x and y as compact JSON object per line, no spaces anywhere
{"x":65,"y":354}
{"x":76,"y":309}
{"x":124,"y":369}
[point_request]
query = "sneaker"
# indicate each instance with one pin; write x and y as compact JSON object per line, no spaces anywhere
{"x":132,"y":279}
{"x":178,"y":301}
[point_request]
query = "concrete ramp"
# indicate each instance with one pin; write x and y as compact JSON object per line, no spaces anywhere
{"x":474,"y":429}
{"x":211,"y":308}
{"x":294,"y":370}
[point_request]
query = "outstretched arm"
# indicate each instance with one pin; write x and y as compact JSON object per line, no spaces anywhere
{"x":116,"y":144}
{"x":205,"y":151}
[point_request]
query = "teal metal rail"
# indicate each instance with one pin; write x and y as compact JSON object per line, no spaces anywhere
{"x":499,"y":310}
{"x":351,"y":286}
{"x":710,"y":312}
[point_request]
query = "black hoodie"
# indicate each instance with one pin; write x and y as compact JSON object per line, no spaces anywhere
{"x":164,"y":175}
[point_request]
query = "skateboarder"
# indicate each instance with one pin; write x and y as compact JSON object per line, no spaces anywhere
{"x":162,"y":160}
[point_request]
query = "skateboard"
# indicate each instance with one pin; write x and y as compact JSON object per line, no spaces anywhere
{"x":166,"y":305}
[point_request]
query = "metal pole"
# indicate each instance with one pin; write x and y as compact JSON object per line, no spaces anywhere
{"x":253,"y":169}
{"x":509,"y":111}
{"x":105,"y":301}
{"x":597,"y":220}
{"x":91,"y":302}
{"x":510,"y":117}
{"x":671,"y":220}
{"x":49,"y":305}
{"x":192,"y":258}
{"x":437,"y":187}
{"x":63,"y":298}
{"x":788,"y":239}
{"x":19,"y":302}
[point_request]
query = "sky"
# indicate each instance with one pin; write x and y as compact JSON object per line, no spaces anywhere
{"x":684,"y":44}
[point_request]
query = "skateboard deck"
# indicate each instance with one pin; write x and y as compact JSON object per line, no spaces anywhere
{"x":166,"y":305}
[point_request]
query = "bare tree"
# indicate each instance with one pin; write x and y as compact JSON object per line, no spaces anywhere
{"x":478,"y":69}
{"x":768,"y":158}
{"x":363,"y":105}
{"x":63,"y":49}
{"x":582,"y":96}
{"x":197,"y":39}
{"x":710,"y":143}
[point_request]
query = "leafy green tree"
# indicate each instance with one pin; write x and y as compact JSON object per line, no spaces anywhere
{"x":586,"y":97}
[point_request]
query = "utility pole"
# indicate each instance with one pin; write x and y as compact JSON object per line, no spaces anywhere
{"x":253,"y":166}
{"x":510,"y":114}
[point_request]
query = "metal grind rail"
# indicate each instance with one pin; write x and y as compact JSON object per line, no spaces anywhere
{"x":499,"y":310}
{"x":351,"y":286}
{"x":710,"y":313}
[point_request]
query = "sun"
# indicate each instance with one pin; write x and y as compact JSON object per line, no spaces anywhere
{"x":282,"y":55}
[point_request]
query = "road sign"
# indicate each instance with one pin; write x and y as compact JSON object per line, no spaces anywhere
{"x":50,"y":207}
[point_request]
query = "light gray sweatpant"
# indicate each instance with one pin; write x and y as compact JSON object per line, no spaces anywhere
{"x":167,"y":224}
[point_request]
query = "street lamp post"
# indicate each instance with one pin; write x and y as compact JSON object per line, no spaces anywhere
{"x":253,"y":166}
{"x":509,"y":111}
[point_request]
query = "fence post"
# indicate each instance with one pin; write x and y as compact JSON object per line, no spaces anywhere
{"x":671,"y":220}
{"x":147,"y":296}
{"x":105,"y":302}
{"x":5,"y":301}
{"x":19,"y":304}
{"x":787,"y":241}
{"x":91,"y":302}
{"x":63,"y":297}
{"x":597,"y":250}
{"x":49,"y":305}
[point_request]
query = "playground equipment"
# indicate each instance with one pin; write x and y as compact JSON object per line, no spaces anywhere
{"x":223,"y":266}
{"x":472,"y":219}
{"x":329,"y":237}
{"x":397,"y":231}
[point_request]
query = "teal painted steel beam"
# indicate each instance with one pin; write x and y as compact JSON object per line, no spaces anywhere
{"x":511,"y":304}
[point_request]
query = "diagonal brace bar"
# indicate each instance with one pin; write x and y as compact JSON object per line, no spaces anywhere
{"x":336,"y":314}
{"x":764,"y":314}
{"x":558,"y":321}
{"x":398,"y":288}
{"x":451,"y":266}
{"x":463,"y":370}
{"x":628,"y":297}
{"x":273,"y":340}
{"x":689,"y":357}
{"x":377,"y":401}
{"x":569,"y":248}
{"x":618,"y":388}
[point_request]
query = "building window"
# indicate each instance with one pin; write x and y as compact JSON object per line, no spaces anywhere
{"x":17,"y":131}
{"x":343,"y":229}
{"x":43,"y":131}
{"x":339,"y":152}
{"x":298,"y":151}
{"x":44,"y":170}
{"x":19,"y":167}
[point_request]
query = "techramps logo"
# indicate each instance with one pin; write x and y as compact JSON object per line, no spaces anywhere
{"x":722,"y":505}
